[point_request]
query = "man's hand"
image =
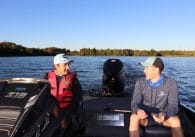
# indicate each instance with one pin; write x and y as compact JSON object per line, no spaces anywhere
{"x":160,"y":118}
{"x":141,"y":114}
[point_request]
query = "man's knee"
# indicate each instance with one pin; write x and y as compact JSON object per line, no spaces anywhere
{"x":134,"y":126}
{"x":134,"y":122}
{"x":173,"y":122}
{"x":134,"y":118}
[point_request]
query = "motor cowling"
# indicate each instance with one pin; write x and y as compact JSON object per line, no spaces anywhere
{"x":113,"y":77}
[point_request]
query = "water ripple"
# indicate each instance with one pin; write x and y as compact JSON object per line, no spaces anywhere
{"x":89,"y":71}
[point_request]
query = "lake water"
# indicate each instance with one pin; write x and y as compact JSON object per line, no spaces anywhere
{"x":89,"y":71}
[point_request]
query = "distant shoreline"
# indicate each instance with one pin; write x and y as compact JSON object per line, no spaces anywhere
{"x":10,"y":49}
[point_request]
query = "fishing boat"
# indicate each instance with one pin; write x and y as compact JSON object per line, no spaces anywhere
{"x":106,"y":111}
{"x":26,"y":109}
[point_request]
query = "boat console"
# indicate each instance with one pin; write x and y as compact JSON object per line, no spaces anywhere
{"x":26,"y":108}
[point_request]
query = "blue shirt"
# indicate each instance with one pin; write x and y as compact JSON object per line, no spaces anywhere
{"x":157,"y":83}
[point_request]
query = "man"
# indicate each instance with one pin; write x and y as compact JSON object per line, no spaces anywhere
{"x":66,"y":89}
{"x":155,"y":100}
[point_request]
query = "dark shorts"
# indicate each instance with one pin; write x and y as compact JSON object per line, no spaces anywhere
{"x":151,"y":122}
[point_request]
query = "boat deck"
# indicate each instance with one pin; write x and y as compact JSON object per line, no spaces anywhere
{"x":109,"y":117}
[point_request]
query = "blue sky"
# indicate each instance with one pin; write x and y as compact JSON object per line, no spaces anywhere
{"x":100,"y":24}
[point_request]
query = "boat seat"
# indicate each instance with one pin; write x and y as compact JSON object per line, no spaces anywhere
{"x":156,"y":131}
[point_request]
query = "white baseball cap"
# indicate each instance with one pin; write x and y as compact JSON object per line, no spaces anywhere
{"x":61,"y":59}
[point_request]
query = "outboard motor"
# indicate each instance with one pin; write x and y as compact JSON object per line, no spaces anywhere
{"x":113,"y":77}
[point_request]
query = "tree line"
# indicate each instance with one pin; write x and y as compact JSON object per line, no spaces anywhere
{"x":12,"y":49}
{"x":130,"y":52}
